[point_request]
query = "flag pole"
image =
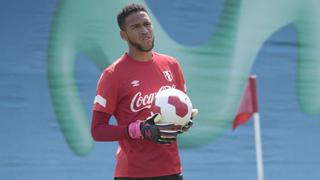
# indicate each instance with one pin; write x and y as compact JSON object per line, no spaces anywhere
{"x":257,"y":127}
{"x":257,"y":132}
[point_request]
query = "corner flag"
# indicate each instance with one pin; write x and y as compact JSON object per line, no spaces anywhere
{"x":249,"y":107}
{"x":248,"y":104}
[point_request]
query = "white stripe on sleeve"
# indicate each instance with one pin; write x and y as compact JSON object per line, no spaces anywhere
{"x":100,"y":100}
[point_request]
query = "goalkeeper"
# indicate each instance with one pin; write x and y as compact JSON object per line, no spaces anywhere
{"x":126,"y":90}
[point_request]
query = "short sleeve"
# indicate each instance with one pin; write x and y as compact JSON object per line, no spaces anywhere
{"x":107,"y":93}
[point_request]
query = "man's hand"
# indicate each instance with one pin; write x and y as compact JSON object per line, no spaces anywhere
{"x":186,"y":127}
{"x":151,"y":130}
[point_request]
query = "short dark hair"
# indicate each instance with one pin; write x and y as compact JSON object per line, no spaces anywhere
{"x":126,"y":11}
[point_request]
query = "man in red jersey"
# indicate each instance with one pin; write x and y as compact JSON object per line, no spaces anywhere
{"x":126,"y":89}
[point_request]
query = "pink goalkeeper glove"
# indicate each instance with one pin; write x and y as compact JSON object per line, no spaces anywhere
{"x":149,"y":130}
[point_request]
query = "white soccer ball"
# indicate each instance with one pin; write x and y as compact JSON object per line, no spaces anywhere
{"x":174,"y":106}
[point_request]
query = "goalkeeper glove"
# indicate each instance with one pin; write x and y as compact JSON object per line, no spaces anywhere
{"x":186,"y":127}
{"x":149,"y":130}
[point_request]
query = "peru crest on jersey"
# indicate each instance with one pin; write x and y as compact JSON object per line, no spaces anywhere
{"x":168,"y":75}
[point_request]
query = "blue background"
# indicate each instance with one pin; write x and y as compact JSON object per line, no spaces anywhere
{"x":32,"y":145}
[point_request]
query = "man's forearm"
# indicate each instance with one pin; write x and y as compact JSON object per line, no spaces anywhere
{"x":101,"y":130}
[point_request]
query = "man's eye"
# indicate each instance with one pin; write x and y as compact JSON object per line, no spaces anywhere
{"x":135,"y":26}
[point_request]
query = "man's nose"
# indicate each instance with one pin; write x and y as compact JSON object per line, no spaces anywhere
{"x":144,"y":30}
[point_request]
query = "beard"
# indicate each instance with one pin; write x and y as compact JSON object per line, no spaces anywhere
{"x":140,"y":47}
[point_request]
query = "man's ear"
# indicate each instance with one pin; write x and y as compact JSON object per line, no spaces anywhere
{"x":123,"y":35}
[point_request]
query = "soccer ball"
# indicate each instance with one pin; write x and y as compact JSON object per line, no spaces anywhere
{"x":174,"y":106}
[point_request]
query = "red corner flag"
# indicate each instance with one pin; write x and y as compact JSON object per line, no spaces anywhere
{"x":248,"y":104}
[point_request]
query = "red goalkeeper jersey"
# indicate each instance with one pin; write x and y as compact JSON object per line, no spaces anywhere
{"x":126,"y":89}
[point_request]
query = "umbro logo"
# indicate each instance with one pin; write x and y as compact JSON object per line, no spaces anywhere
{"x":135,"y":83}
